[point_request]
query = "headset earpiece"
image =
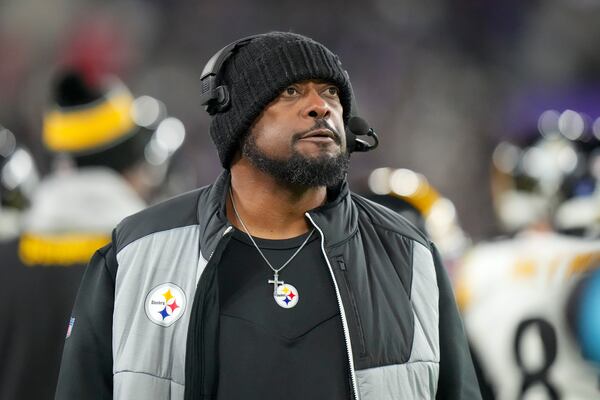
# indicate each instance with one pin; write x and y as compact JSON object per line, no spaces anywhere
{"x":214,"y":97}
{"x":216,"y":100}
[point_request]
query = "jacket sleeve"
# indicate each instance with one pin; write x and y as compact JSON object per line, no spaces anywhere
{"x":86,"y":367}
{"x":457,"y":375}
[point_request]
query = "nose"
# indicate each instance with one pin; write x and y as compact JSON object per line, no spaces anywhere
{"x":316,"y":107}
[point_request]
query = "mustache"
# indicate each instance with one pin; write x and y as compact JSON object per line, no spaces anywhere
{"x":319,"y":124}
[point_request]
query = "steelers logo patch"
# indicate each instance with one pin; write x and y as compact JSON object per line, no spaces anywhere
{"x":287,"y":296}
{"x":165,"y":304}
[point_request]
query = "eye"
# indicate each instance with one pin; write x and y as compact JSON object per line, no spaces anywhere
{"x":333,"y":91}
{"x":290,"y":91}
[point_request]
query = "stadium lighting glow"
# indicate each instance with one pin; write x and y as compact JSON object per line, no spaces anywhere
{"x":147,"y":111}
{"x":170,"y":134}
{"x":155,"y":153}
{"x":506,"y":157}
{"x":8,"y":143}
{"x":379,"y":181}
{"x":596,"y":128}
{"x":548,"y":122}
{"x":571,"y":124}
{"x":18,"y":168}
{"x":405,"y":182}
{"x":567,"y":159}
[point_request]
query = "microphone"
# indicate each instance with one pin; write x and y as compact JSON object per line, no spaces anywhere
{"x":359,"y":127}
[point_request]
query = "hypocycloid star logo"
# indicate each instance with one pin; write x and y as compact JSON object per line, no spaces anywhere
{"x":165,"y":304}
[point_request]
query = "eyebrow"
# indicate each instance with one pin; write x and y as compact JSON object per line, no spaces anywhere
{"x":318,"y":81}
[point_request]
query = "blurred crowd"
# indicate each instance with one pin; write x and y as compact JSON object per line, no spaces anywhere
{"x":489,"y":118}
{"x":446,"y":72}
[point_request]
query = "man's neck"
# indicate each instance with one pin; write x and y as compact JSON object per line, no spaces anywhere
{"x":269,"y":209}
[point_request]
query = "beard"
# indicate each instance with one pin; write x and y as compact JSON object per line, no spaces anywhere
{"x":298,"y":170}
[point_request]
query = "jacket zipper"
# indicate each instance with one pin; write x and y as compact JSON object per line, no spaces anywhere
{"x":342,"y":312}
{"x":225,"y":232}
{"x":361,"y":333}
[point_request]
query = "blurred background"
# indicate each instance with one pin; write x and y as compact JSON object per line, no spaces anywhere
{"x":440,"y":81}
{"x":488,"y":114}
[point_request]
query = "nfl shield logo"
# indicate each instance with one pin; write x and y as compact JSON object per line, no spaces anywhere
{"x":70,"y":328}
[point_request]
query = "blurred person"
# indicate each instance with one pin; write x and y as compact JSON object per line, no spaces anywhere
{"x":275,"y":281}
{"x":18,"y":178}
{"x":380,"y":191}
{"x":100,"y":178}
{"x":415,"y":198}
{"x":515,"y":293}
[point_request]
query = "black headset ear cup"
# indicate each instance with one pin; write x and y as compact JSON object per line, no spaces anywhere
{"x":223,"y":98}
{"x":217,"y":99}
{"x":219,"y":102}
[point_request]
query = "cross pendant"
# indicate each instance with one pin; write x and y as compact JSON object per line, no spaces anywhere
{"x":276,"y":283}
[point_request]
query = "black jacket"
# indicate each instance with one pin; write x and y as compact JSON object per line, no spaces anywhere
{"x":403,"y":332}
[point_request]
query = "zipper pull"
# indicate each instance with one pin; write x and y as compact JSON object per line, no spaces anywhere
{"x":341,"y":263}
{"x":225,"y":233}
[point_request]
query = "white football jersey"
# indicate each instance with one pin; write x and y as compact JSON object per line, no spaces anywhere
{"x":513,"y":295}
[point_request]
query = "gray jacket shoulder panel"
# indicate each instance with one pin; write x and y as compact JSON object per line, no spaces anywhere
{"x":176,"y":212}
{"x":389,"y":220}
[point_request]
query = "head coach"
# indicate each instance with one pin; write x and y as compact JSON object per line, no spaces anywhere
{"x":276,"y":281}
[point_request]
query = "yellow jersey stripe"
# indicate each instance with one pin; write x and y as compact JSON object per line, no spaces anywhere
{"x":65,"y":250}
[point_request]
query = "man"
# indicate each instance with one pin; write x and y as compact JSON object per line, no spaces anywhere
{"x":73,"y":210}
{"x":275,"y":281}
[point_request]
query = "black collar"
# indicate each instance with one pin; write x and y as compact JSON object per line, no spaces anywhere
{"x":337,"y":219}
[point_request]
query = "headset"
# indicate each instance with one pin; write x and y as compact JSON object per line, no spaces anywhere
{"x":215,"y":97}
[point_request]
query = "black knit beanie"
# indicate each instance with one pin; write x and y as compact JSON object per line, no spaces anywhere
{"x":259,"y":71}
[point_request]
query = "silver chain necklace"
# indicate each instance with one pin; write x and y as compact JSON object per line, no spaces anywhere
{"x":275,"y":281}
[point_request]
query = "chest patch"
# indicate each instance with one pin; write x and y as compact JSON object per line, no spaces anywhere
{"x":165,"y":304}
